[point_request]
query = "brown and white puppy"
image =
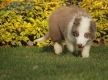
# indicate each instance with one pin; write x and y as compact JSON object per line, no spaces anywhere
{"x":73,"y":25}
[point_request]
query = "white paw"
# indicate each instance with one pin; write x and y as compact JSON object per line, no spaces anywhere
{"x":57,"y":48}
{"x":58,"y":51}
{"x":85,"y":55}
{"x":85,"y":51}
{"x":70,"y":48}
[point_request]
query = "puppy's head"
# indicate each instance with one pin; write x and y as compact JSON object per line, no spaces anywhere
{"x":83,"y":30}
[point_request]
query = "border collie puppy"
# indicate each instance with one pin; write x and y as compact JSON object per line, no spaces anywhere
{"x":73,"y":25}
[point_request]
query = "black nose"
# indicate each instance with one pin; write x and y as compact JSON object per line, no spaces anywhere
{"x":79,"y":45}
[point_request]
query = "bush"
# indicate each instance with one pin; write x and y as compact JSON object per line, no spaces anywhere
{"x":19,"y":25}
{"x":24,"y":23}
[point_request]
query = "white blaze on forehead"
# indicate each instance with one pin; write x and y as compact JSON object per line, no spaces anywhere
{"x":82,"y":29}
{"x":84,"y":24}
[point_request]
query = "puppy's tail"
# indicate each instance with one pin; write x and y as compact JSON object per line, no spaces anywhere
{"x":44,"y":38}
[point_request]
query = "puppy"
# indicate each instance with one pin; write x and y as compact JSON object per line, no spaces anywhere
{"x":73,"y":25}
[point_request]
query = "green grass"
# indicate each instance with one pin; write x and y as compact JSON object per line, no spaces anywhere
{"x":34,"y":63}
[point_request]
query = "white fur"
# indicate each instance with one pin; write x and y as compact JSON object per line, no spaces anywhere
{"x":57,"y":48}
{"x":69,"y":45}
{"x":72,"y":41}
{"x":85,"y":52}
{"x":84,"y":27}
{"x":70,"y":37}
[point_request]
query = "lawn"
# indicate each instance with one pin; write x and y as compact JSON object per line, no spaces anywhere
{"x":32,"y":63}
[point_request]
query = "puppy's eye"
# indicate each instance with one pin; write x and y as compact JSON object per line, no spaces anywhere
{"x":87,"y":35}
{"x":75,"y":33}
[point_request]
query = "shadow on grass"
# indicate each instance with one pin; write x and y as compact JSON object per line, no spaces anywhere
{"x":50,"y":49}
{"x":78,"y":54}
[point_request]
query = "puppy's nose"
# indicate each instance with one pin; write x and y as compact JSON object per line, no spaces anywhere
{"x":79,"y":45}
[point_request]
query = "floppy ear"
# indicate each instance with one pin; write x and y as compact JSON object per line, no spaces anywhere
{"x":93,"y":29}
{"x":92,"y":26}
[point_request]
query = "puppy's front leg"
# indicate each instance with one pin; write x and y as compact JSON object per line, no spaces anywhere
{"x":86,"y":49}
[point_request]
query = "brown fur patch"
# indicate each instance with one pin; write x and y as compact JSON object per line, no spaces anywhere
{"x":75,"y":26}
{"x":92,"y":29}
{"x":75,"y":33}
{"x":87,"y":35}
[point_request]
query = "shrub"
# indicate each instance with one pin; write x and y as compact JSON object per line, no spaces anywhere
{"x":13,"y":28}
{"x":21,"y":24}
{"x":30,"y":21}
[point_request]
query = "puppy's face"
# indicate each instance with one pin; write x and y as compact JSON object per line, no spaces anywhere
{"x":83,"y":30}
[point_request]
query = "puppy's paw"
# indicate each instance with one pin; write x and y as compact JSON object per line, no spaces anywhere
{"x":85,"y":55}
{"x":57,"y":48}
